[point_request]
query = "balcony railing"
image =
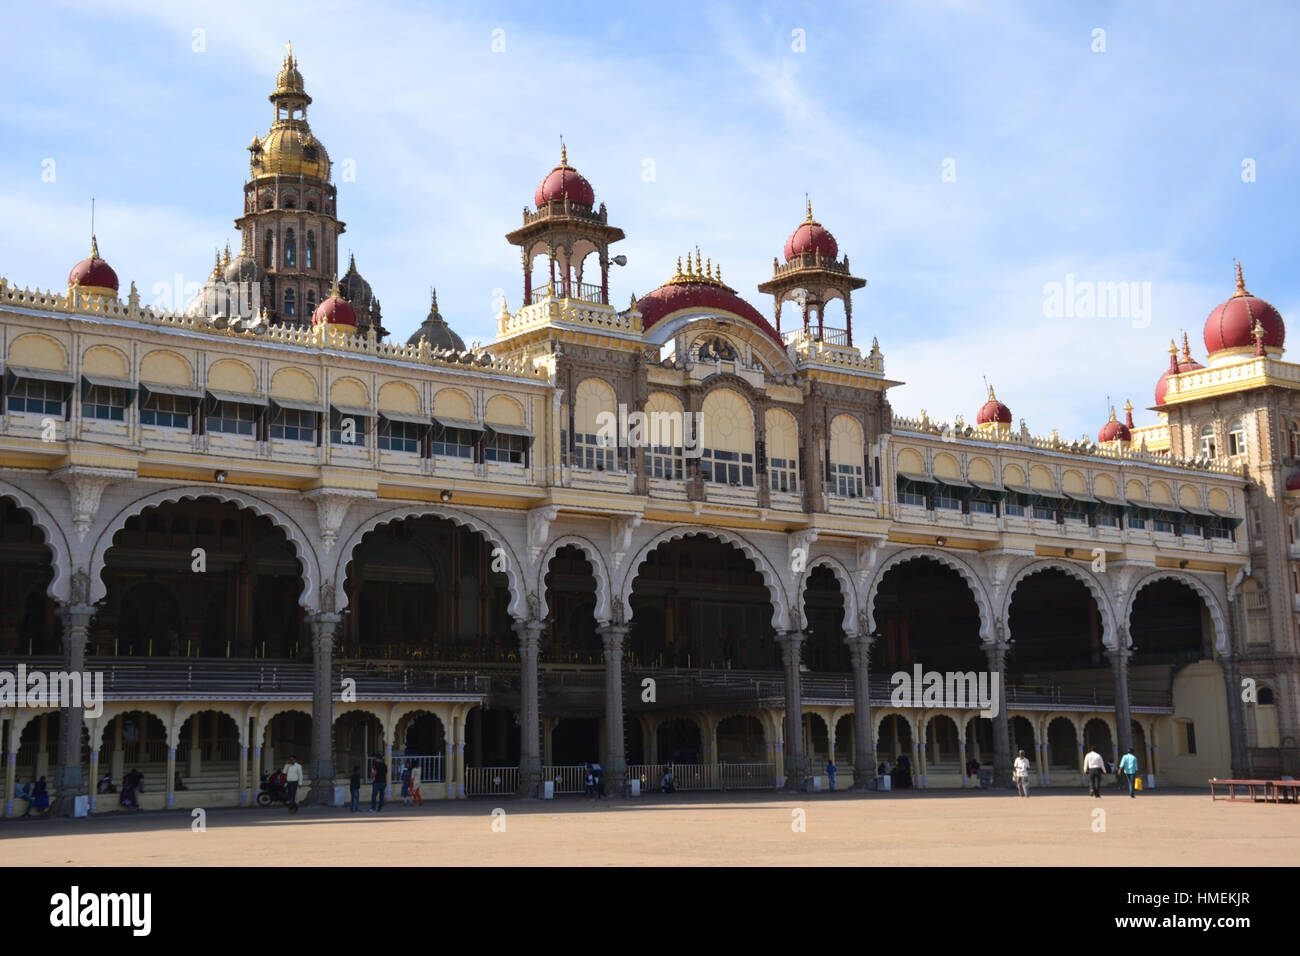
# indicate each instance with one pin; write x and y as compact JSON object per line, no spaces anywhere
{"x":582,"y":291}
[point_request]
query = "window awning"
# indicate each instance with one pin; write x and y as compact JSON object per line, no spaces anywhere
{"x":182,"y":391}
{"x":520,"y":430}
{"x":407,"y":417}
{"x":460,"y":423}
{"x":1021,"y":490}
{"x":40,"y":374}
{"x":1054,"y":495}
{"x":109,"y":381}
{"x":1199,"y":512}
{"x":919,"y":479}
{"x":356,"y":411}
{"x":988,"y":486}
{"x":296,"y":404}
{"x":1082,"y":496}
{"x":237,"y":398}
{"x":1117,"y":502}
{"x":960,"y":487}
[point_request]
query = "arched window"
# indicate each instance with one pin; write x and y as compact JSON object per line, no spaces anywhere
{"x":290,"y":248}
{"x":727,"y":437}
{"x":1256,"y":612}
{"x":290,"y":202}
{"x":1208,"y":447}
{"x":311,"y":205}
{"x":594,"y":430}
{"x":845,"y":458}
{"x":311,"y":250}
{"x":289,"y":303}
{"x":1236,"y":438}
{"x":782,"y":437}
{"x":268,"y":251}
{"x":311,"y":302}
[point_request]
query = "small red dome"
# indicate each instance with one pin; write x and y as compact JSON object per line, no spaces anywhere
{"x":1176,"y":367}
{"x":811,"y":236}
{"x":1231,"y":325}
{"x":671,"y":298}
{"x":93,"y":272}
{"x":564,"y":182}
{"x":1114,"y":430}
{"x":993,"y":412}
{"x":335,"y":310}
{"x":1293,"y":483}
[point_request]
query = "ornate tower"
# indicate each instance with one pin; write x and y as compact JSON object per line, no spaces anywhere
{"x":567,"y":230}
{"x":290,"y":225}
{"x":812,"y":277}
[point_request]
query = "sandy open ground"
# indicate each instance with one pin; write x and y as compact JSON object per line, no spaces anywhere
{"x":935,"y":828}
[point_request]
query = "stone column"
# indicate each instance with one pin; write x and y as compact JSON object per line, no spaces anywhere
{"x":171,"y":777}
{"x":323,"y":626}
{"x":997,"y":655}
{"x":460,"y":757}
{"x":1123,"y":718}
{"x":796,"y":760}
{"x":612,"y":637}
{"x":243,"y":776}
{"x":530,"y":756}
{"x":1236,"y":718}
{"x":93,"y":784}
{"x":68,"y":781}
{"x":864,"y":755}
{"x":11,"y":780}
{"x":449,"y":759}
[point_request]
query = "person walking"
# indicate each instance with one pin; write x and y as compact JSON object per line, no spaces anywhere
{"x":415,"y":786}
{"x":378,"y":781}
{"x":355,"y":783}
{"x":1128,"y":768}
{"x":1094,"y":766}
{"x":293,"y":778}
{"x":830,"y":772}
{"x":406,"y":783}
{"x":1020,"y":770}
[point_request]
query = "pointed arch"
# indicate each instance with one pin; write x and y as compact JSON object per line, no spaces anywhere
{"x":775,"y":589}
{"x":1098,"y":593}
{"x":308,"y":560}
{"x":604,"y":597}
{"x":513,"y":570}
{"x":1217,"y":616}
{"x":978,"y":591}
{"x":60,"y":586}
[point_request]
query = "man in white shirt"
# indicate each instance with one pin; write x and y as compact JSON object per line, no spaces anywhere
{"x":293,"y":776}
{"x":1094,"y":767}
{"x":1020,"y":770}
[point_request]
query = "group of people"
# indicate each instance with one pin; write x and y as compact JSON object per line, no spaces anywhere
{"x":596,"y":781}
{"x":36,"y":793}
{"x":1094,"y":765}
{"x":899,"y":774}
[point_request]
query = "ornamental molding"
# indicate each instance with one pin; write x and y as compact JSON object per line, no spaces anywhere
{"x":85,"y":489}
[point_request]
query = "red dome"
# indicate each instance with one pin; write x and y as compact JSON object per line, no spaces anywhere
{"x":1293,"y":483}
{"x":673,"y":297}
{"x":93,"y":272}
{"x":1114,"y":430}
{"x":811,"y":237}
{"x":1232,"y":324}
{"x":993,"y":412}
{"x":564,"y":182}
{"x":1176,"y":367}
{"x":335,"y":310}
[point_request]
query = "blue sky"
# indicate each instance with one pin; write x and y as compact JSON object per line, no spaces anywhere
{"x":1123,"y":165}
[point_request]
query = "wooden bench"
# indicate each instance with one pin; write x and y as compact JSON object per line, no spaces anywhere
{"x":1285,"y":791}
{"x":1251,"y":785}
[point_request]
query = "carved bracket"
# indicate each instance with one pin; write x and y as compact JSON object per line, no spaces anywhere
{"x":331,"y":508}
{"x":85,"y":488}
{"x":539,"y":529}
{"x":620,"y":537}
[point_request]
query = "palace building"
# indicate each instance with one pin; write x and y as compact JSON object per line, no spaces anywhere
{"x":275,"y":531}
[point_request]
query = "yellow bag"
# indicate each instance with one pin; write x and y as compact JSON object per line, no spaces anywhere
{"x":1137,"y":783}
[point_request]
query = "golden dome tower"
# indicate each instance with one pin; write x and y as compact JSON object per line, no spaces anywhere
{"x":290,"y":222}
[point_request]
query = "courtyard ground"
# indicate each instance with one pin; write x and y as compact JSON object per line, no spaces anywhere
{"x":1163,"y":828}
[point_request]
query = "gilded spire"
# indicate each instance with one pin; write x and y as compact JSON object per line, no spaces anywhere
{"x":564,"y":153}
{"x":1241,"y":283}
{"x":809,"y":201}
{"x":225,"y":259}
{"x":335,"y":293}
{"x":288,"y":53}
{"x":94,"y":247}
{"x":1112,"y":414}
{"x":1187,"y":349}
{"x":679,"y":266}
{"x":1128,"y":413}
{"x":698,"y":270}
{"x":433,"y":296}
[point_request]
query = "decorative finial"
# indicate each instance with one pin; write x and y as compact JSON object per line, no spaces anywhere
{"x":1112,"y":414}
{"x":288,"y":53}
{"x":433,"y":299}
{"x":1187,"y":349}
{"x":225,"y":259}
{"x":1128,"y":413}
{"x":1258,"y":332}
{"x":1241,"y":283}
{"x":809,"y":202}
{"x":719,"y":274}
{"x":698,"y":270}
{"x":334,"y":289}
{"x":679,"y":265}
{"x":708,"y":267}
{"x":94,"y":247}
{"x":564,"y":153}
